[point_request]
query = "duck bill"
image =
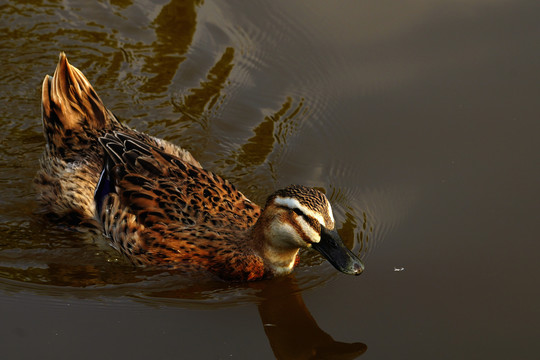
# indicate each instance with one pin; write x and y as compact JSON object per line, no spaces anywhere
{"x":332,"y":248}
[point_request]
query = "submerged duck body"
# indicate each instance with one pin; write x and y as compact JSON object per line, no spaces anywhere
{"x":156,"y":203}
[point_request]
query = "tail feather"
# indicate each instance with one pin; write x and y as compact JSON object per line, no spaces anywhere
{"x":70,"y":105}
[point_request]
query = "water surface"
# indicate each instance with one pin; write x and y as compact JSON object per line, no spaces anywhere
{"x":419,"y":120}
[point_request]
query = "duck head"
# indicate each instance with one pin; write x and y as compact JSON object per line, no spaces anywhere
{"x":301,"y":217}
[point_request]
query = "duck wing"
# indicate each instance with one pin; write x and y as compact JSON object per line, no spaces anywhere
{"x":160,"y":188}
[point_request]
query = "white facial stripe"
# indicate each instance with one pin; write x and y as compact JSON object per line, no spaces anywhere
{"x":330,"y":211}
{"x":295,"y":204}
{"x":313,"y":235}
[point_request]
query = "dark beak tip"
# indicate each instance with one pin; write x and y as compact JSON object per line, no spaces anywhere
{"x":355,"y":269}
{"x":358,"y":269}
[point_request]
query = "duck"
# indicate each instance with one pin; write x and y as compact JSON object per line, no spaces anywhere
{"x":158,"y":206}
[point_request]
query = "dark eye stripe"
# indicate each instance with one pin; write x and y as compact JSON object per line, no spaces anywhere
{"x":311,"y":221}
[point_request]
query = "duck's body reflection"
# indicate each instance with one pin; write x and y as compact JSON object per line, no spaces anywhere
{"x":292,"y":331}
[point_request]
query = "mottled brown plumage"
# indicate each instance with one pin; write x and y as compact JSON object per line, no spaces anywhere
{"x":157,"y":204}
{"x":74,"y":118}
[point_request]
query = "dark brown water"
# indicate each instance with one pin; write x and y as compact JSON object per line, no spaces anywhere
{"x":420,"y":120}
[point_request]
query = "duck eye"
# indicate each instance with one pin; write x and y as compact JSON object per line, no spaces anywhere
{"x":298,"y":212}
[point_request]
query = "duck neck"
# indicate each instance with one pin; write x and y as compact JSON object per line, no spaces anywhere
{"x":278,"y":258}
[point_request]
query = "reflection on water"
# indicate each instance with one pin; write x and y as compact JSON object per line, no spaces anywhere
{"x":292,"y":332}
{"x":199,"y":101}
{"x":272,"y":130}
{"x":268,"y":141}
{"x":174,"y":28}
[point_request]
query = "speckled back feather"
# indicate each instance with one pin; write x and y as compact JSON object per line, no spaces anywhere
{"x":163,"y":205}
{"x":158,"y":185}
